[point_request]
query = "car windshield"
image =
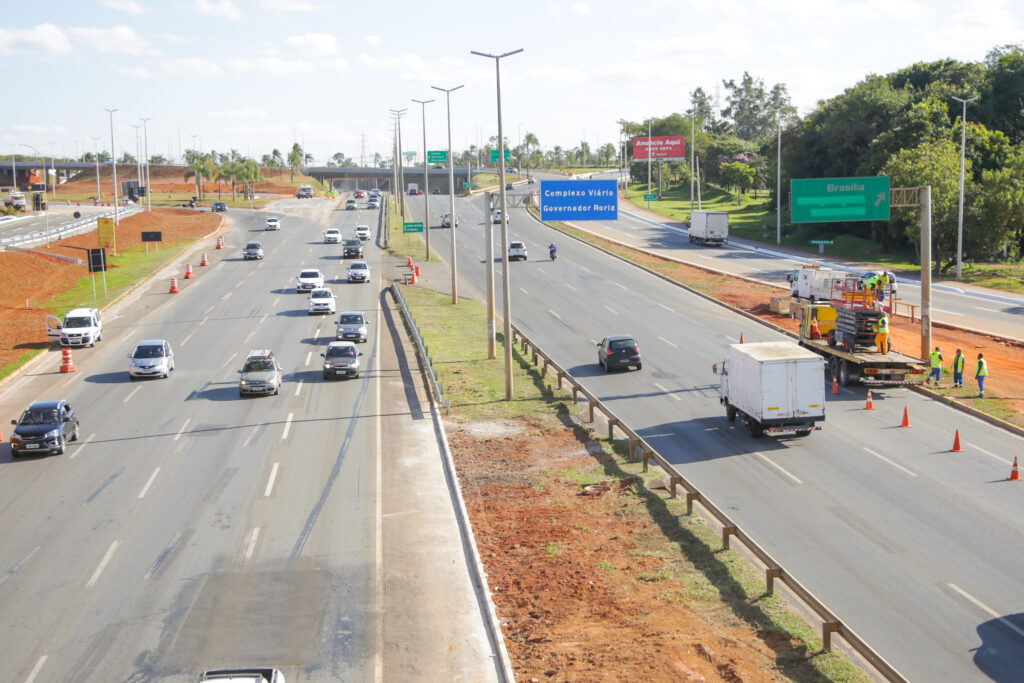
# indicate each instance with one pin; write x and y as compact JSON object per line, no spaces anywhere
{"x":333,"y":231}
{"x":357,"y":266}
{"x":352,"y":243}
{"x":342,"y":351}
{"x":149,"y":351}
{"x":39,"y":417}
{"x":84,"y":321}
{"x":351,"y":319}
{"x":321,"y":294}
{"x":271,"y":220}
{"x":517,"y":245}
{"x":621,"y":344}
{"x":258,"y":366}
{"x":253,"y":245}
{"x":309,"y":274}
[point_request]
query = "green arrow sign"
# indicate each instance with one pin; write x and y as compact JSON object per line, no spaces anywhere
{"x":494,"y":156}
{"x":412,"y":227}
{"x":439,"y":156}
{"x":829,"y":200}
{"x":650,"y":197}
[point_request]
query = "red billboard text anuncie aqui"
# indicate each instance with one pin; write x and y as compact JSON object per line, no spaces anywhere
{"x":672,"y":147}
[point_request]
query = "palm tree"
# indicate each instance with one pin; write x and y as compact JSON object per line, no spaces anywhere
{"x":557,"y":153}
{"x":295,"y":158}
{"x":278,"y":159}
{"x":530,"y":139}
{"x":607,"y":152}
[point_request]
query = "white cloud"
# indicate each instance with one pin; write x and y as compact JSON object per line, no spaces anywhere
{"x":313,"y":44}
{"x":372,"y":40}
{"x":220,"y":8}
{"x":116,"y":39}
{"x":169,"y":37}
{"x":192,"y":66}
{"x":559,"y":75}
{"x":129,"y":6}
{"x":272,"y":66}
{"x":580,"y":9}
{"x":135,"y":71}
{"x":288,"y":5}
{"x":44,"y":37}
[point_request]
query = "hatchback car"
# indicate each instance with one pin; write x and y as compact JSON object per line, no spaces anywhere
{"x":618,"y":351}
{"x":516,"y":251}
{"x":352,"y":248}
{"x":350,"y":205}
{"x":510,"y":186}
{"x":332,"y":236}
{"x":218,"y":206}
{"x":253,"y":250}
{"x":363,"y":232}
{"x":44,"y":427}
{"x":496,"y":216}
{"x":151,"y":358}
{"x":446,"y":220}
{"x":359,"y":271}
{"x":272,"y":224}
{"x":359,"y":194}
{"x":352,"y":326}
{"x":373,"y":204}
{"x":261,"y":373}
{"x":309,"y":280}
{"x":341,"y":359}
{"x":436,"y":190}
{"x":531,"y":180}
{"x":321,"y":301}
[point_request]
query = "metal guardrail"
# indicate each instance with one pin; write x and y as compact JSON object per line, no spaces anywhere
{"x":773,"y":570}
{"x":80,"y":226}
{"x":422,"y":349}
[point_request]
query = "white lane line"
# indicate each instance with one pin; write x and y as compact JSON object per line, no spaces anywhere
{"x":611,"y":310}
{"x":36,"y":669}
{"x":940,"y":310}
{"x":666,"y":391}
{"x":287,"y":426}
{"x":249,"y":275}
{"x":274,"y":302}
{"x":152,"y":478}
{"x":183,"y":428}
{"x":72,"y":378}
{"x":584,"y":269}
{"x":309,"y":355}
{"x":103,"y":564}
{"x":988,"y":610}
{"x":202,"y":322}
{"x":228,"y":360}
{"x":251,"y":546}
{"x":249,"y":438}
{"x":667,"y":308}
{"x":990,"y":310}
{"x":885,"y":459}
{"x":209,"y":309}
{"x":185,"y":340}
{"x":248,"y":337}
{"x":988,"y":453}
{"x":264,"y":318}
{"x":131,"y":393}
{"x":620,"y":285}
{"x":554,"y":314}
{"x":78,"y":451}
{"x":298,"y":388}
{"x":379,"y":554}
{"x":571,"y":288}
{"x":21,"y":563}
{"x":241,"y":282}
{"x":777,"y":466}
{"x":226,"y":296}
{"x":668,"y":342}
{"x":734,"y":340}
{"x":523,"y":291}
{"x":270,"y":482}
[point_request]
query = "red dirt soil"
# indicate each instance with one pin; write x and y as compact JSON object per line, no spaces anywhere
{"x":171,"y":180}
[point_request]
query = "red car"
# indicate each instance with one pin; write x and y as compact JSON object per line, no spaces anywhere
{"x":360,"y":194}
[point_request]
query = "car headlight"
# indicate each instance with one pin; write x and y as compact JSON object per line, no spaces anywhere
{"x":52,"y":434}
{"x":362,"y":331}
{"x":328,"y":364}
{"x":244,"y":382}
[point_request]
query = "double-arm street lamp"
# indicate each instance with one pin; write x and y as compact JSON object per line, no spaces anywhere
{"x":113,"y":162}
{"x":46,"y":212}
{"x":451,"y":188}
{"x":426,"y":182}
{"x":398,"y":114}
{"x":960,"y":214}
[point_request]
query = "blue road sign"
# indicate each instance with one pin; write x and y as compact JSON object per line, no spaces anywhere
{"x":579,"y":200}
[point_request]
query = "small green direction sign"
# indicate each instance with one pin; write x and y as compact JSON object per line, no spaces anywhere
{"x":822,"y":242}
{"x":494,"y":156}
{"x":650,"y":197}
{"x":830,"y":200}
{"x":467,"y":186}
{"x":412,"y":227}
{"x":439,"y":156}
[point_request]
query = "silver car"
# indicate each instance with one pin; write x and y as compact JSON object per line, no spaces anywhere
{"x":261,"y":373}
{"x":151,"y":358}
{"x":358,"y":271}
{"x":352,"y":326}
{"x":341,"y":360}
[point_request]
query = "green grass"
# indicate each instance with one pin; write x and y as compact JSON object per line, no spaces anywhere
{"x":25,"y":357}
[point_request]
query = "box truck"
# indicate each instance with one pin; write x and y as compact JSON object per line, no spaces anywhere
{"x":709,"y":227}
{"x":775,"y":387}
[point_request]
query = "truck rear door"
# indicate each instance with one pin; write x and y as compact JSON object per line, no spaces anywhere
{"x":776,"y":390}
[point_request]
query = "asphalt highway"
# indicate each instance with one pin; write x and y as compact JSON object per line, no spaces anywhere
{"x":916,"y":548}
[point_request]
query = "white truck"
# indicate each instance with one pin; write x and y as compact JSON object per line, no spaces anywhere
{"x":814,"y":283}
{"x":775,"y":387}
{"x":81,"y":327}
{"x":709,"y":227}
{"x":304,"y":192}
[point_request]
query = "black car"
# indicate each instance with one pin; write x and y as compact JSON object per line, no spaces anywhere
{"x":218,"y":206}
{"x":352,"y":248}
{"x":510,"y":186}
{"x":436,"y":190}
{"x":44,"y":427}
{"x":618,"y":351}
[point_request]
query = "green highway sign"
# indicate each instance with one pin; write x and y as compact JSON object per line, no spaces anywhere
{"x":650,"y":197}
{"x":829,"y":200}
{"x":439,"y":156}
{"x":822,"y":242}
{"x":467,"y":186}
{"x":412,"y":227}
{"x":494,"y":156}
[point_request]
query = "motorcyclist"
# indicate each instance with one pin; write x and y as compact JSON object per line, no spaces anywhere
{"x":552,"y":250}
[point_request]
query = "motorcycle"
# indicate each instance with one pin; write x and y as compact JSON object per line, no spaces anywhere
{"x":554,"y":255}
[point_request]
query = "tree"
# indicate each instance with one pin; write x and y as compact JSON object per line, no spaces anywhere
{"x":126,"y":158}
{"x":200,"y":167}
{"x":157,"y":159}
{"x":339,"y":159}
{"x":295,"y":158}
{"x":737,"y":174}
{"x":378,"y":160}
{"x":530,"y":140}
{"x":753,"y":110}
{"x":606,"y":152}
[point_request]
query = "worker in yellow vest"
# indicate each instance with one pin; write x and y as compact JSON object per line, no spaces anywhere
{"x":936,"y":364}
{"x":958,"y":368}
{"x":882,"y":334}
{"x":980,"y":374}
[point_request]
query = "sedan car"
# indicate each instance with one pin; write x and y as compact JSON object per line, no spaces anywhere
{"x":272,"y":224}
{"x":309,"y":280}
{"x":341,"y":360}
{"x":257,"y":675}
{"x":350,"y":205}
{"x":332,"y":236}
{"x":531,"y":180}
{"x":218,"y":206}
{"x":253,"y":250}
{"x":363,"y":232}
{"x":359,"y":271}
{"x":261,"y":373}
{"x":436,"y":190}
{"x":359,"y":194}
{"x":151,"y":358}
{"x":496,"y":216}
{"x":352,"y":326}
{"x":352,"y":248}
{"x":510,"y":186}
{"x":374,"y":203}
{"x":618,"y":351}
{"x":516,"y":251}
{"x":321,"y":301}
{"x":44,"y":427}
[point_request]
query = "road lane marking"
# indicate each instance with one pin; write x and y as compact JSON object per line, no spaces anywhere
{"x":274,"y":302}
{"x":584,"y":269}
{"x":131,"y":393}
{"x":202,"y":322}
{"x":734,"y":340}
{"x":152,"y":478}
{"x":894,"y":464}
{"x":72,"y":378}
{"x":988,"y":610}
{"x":162,"y":557}
{"x":36,"y":669}
{"x":988,"y":453}
{"x":251,"y":544}
{"x":249,"y":438}
{"x":270,"y":482}
{"x":554,"y":314}
{"x":620,"y":285}
{"x":777,"y":466}
{"x":209,"y":309}
{"x":183,"y":428}
{"x":103,"y":564}
{"x":990,"y":310}
{"x":264,"y":318}
{"x":247,"y":338}
{"x":672,"y":395}
{"x":226,"y":296}
{"x":379,"y":554}
{"x":21,"y":563}
{"x":668,"y":342}
{"x":309,"y":355}
{"x":940,"y":310}
{"x":298,"y":388}
{"x":83,"y":445}
{"x":287,"y":426}
{"x":667,"y":308}
{"x":523,"y":291}
{"x":185,"y":340}
{"x":242,"y":282}
{"x":611,"y":310}
{"x":571,"y":288}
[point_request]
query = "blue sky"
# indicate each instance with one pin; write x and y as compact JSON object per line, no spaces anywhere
{"x":257,"y":74}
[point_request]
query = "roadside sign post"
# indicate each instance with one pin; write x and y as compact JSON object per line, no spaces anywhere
{"x":412,"y":227}
{"x":467,"y":186}
{"x":494,"y":156}
{"x":650,"y":197}
{"x":154,"y":236}
{"x":821,"y":244}
{"x":439,"y":156}
{"x":831,"y":200}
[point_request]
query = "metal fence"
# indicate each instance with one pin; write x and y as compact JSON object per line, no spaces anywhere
{"x":424,"y":351}
{"x":58,"y":233}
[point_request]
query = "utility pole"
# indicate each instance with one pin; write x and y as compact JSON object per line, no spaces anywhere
{"x":53,"y":171}
{"x":426,"y":179}
{"x":960,"y":214}
{"x":96,"y":151}
{"x":399,"y":113}
{"x":451,"y":189}
{"x":648,"y":161}
{"x":778,"y":183}
{"x":113,"y":162}
{"x":145,"y":155}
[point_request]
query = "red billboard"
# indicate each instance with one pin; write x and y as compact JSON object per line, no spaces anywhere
{"x":666,"y":147}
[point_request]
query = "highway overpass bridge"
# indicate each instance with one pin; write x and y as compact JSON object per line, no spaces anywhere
{"x":359,"y":178}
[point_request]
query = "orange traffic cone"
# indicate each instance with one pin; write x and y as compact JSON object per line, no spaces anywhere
{"x":188,"y":271}
{"x":220,"y":242}
{"x":65,"y":363}
{"x":204,"y":262}
{"x":417,"y":271}
{"x":815,"y":332}
{"x":741,"y":337}
{"x":174,"y":286}
{"x":957,"y":448}
{"x":413,"y":280}
{"x":1014,"y":473}
{"x":870,"y":404}
{"x":906,"y":418}
{"x":408,"y":264}
{"x":835,"y":386}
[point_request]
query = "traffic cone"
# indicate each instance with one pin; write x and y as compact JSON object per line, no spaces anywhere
{"x":220,"y":242}
{"x":870,"y":404}
{"x":408,"y":264}
{"x":835,"y":386}
{"x":174,"y":286}
{"x":957,"y":448}
{"x":413,"y":280}
{"x":417,"y":271}
{"x":188,"y":271}
{"x":741,"y":337}
{"x":204,"y":262}
{"x":65,"y":362}
{"x":1014,"y":473}
{"x":906,"y":418}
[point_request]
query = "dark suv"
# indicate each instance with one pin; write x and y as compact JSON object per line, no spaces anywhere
{"x":618,"y":351}
{"x":218,"y":206}
{"x":352,"y":248}
{"x":44,"y":427}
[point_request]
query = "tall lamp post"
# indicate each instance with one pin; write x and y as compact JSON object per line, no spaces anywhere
{"x":96,"y":152}
{"x":398,"y":114}
{"x":46,"y":212}
{"x":145,"y":161}
{"x":113,"y":162}
{"x":53,"y":171}
{"x":960,"y":213}
{"x":505,"y":282}
{"x":778,"y":183}
{"x":451,"y":188}
{"x":426,"y":180}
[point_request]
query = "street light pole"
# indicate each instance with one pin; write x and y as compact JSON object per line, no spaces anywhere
{"x":145,"y":157}
{"x":96,"y":151}
{"x":46,"y":212}
{"x":506,"y":283}
{"x":113,"y":162}
{"x":53,"y":171}
{"x":196,"y":155}
{"x":649,"y":162}
{"x":399,"y":113}
{"x":451,"y":189}
{"x":960,"y":213}
{"x":778,"y":183}
{"x":426,"y":180}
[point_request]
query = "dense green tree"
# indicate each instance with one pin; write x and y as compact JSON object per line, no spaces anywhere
{"x":737,"y":174}
{"x":753,"y":111}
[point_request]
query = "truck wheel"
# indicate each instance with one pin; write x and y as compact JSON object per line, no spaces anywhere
{"x":804,"y":432}
{"x":756,"y":430}
{"x":730,"y":413}
{"x":844,"y":373}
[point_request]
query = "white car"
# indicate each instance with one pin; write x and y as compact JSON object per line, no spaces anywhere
{"x":151,"y":358}
{"x":363,"y":232}
{"x":321,"y":301}
{"x":309,"y":280}
{"x":446,"y":220}
{"x":332,"y":236}
{"x":352,"y":326}
{"x":359,"y":271}
{"x":496,"y":216}
{"x":516,"y":250}
{"x":272,"y":224}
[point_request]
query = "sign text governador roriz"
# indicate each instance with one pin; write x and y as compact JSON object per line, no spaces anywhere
{"x":547,"y":195}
